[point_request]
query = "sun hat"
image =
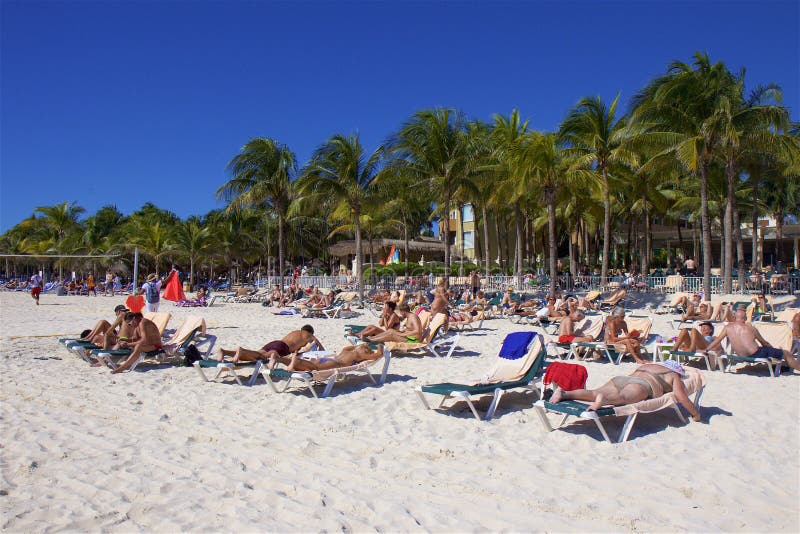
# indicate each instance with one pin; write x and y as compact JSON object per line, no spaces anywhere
{"x":673,"y":366}
{"x":152,"y":277}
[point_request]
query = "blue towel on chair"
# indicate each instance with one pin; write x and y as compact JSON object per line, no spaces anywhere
{"x":516,"y":344}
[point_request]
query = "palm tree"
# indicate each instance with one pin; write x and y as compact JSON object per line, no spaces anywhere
{"x":192,"y":240}
{"x":341,"y":170}
{"x":434,"y":149}
{"x":508,"y":135}
{"x":747,"y":126}
{"x":594,"y":137}
{"x":684,"y":104}
{"x":155,"y":239}
{"x":261,"y":177}
{"x":60,"y":218}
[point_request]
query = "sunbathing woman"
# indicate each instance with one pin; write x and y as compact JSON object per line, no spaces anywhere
{"x":615,"y":325}
{"x":389,"y":320}
{"x":648,"y":381}
{"x":690,"y":339}
{"x":411,"y":334}
{"x":349,"y":356}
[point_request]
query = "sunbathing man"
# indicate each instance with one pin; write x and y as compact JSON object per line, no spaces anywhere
{"x":348,"y":356}
{"x":690,"y":339}
{"x":695,"y":310}
{"x":567,"y":333}
{"x":389,"y":320}
{"x":743,"y":337}
{"x":506,"y":302}
{"x":615,"y":324}
{"x":144,"y":338}
{"x":648,"y":381}
{"x":411,"y":334}
{"x":295,"y":341}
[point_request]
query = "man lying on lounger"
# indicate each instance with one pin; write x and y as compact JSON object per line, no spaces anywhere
{"x":743,"y":336}
{"x":349,"y":356}
{"x":295,"y":341}
{"x":144,"y":338}
{"x":411,"y":334}
{"x":648,"y":381}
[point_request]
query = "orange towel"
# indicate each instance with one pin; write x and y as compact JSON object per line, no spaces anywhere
{"x":174,"y":289}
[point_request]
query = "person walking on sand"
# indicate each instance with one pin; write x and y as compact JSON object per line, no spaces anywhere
{"x":90,"y":285}
{"x":109,"y":283}
{"x":152,"y":292}
{"x":36,"y":287}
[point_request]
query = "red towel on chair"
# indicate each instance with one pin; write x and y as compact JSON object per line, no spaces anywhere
{"x":568,"y":376}
{"x":174,"y":289}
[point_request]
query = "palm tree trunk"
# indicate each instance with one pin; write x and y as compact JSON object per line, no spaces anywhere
{"x":551,"y":231}
{"x":446,"y":208}
{"x":706,"y":229}
{"x":737,"y":236}
{"x":731,"y":174}
{"x":499,"y":241}
{"x":486,"y":239}
{"x":647,"y":244}
{"x":518,"y":262}
{"x":359,"y":256}
{"x":754,"y":259}
{"x":281,"y":247}
{"x":191,"y":272}
{"x":405,"y":243}
{"x":778,"y":235}
{"x":606,"y":227}
{"x":461,"y":229}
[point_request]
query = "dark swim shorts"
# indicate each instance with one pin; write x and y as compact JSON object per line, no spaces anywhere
{"x":278,"y":346}
{"x":768,"y":352}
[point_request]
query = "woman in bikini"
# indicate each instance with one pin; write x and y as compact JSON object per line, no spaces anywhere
{"x":648,"y":381}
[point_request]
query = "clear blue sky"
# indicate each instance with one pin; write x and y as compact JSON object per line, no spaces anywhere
{"x":124,"y":103}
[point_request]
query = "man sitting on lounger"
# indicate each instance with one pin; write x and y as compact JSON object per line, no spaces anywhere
{"x":295,"y":341}
{"x":567,"y":333}
{"x":690,"y":339}
{"x":144,"y":338}
{"x":389,"y":320}
{"x":743,"y":337}
{"x":615,"y":325}
{"x":648,"y":381}
{"x":411,"y":334}
{"x":348,"y":356}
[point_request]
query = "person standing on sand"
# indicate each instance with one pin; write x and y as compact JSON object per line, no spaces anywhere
{"x":90,"y":285}
{"x":109,"y":283}
{"x":152,"y":292}
{"x":36,"y":287}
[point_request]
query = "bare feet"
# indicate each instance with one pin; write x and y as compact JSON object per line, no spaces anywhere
{"x":558,"y":393}
{"x":218,"y":355}
{"x":598,"y":402}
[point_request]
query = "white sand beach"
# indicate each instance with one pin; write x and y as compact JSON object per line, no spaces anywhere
{"x":159,"y":450}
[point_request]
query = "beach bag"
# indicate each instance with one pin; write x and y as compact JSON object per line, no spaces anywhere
{"x":191,"y":355}
{"x":151,"y":290}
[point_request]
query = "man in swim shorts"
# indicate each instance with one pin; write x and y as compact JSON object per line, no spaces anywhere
{"x":745,"y":340}
{"x":145,"y":338}
{"x":567,"y":333}
{"x":295,"y":341}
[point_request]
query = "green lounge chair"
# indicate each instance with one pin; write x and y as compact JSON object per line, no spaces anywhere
{"x":505,"y":375}
{"x":694,"y":382}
